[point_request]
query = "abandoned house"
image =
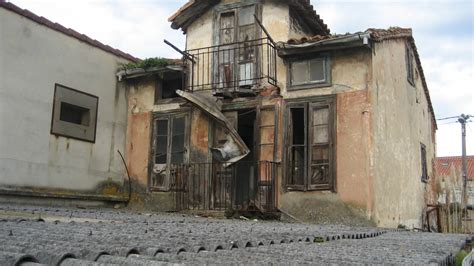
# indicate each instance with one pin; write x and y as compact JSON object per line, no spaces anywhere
{"x":269,"y":112}
{"x":62,"y":112}
{"x":266,"y":112}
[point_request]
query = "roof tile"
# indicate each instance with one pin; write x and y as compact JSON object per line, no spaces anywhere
{"x":445,"y":165}
{"x":66,"y":31}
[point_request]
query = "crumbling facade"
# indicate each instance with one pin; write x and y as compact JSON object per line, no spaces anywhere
{"x":267,"y":112}
{"x":273,"y":113}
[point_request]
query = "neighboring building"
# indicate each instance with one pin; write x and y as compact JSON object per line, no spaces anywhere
{"x":62,"y":112}
{"x":449,"y":179}
{"x":323,"y":127}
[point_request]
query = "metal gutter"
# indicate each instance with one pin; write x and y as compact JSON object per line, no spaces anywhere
{"x":140,"y":72}
{"x":347,"y":41}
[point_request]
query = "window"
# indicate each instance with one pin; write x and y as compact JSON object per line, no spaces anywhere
{"x":74,"y":114}
{"x":310,"y":72}
{"x":409,"y":65}
{"x":238,"y":47}
{"x":424,"y":168}
{"x":309,"y":146}
{"x":166,"y":85}
{"x":168,"y":148}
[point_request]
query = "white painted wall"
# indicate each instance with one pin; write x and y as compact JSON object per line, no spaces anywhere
{"x":32,"y":59}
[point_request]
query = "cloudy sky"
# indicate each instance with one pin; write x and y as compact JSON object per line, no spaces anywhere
{"x":443,"y":31}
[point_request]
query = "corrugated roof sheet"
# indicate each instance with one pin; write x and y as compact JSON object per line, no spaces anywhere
{"x":446,"y":165}
{"x":69,"y":32}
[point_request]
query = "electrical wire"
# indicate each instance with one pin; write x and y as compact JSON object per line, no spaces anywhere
{"x":445,"y":118}
{"x":448,"y":123}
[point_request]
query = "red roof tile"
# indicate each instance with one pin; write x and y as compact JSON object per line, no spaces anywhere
{"x":445,"y":165}
{"x":69,"y":32}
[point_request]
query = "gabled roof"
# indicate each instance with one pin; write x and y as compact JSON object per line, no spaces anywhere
{"x":66,"y":31}
{"x":443,"y":166}
{"x":337,"y":41}
{"x":189,"y":12}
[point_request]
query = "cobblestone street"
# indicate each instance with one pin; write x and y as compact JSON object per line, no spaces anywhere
{"x":71,"y":236}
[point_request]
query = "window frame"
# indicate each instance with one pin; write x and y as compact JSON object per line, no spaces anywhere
{"x":65,"y":94}
{"x":233,"y":49}
{"x":410,"y":67}
{"x":170,"y":117}
{"x":327,"y":82}
{"x":423,"y":164}
{"x":309,"y":106}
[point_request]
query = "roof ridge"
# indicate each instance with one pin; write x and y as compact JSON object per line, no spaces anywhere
{"x":66,"y":31}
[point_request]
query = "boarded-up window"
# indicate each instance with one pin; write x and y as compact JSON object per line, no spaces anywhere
{"x":168,"y":149}
{"x":309,"y":72}
{"x":309,"y":146}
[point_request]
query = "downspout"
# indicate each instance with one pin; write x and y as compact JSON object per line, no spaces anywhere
{"x":129,"y":180}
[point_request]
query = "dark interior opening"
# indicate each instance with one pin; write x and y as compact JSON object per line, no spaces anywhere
{"x":297,"y":152}
{"x":246,"y":176}
{"x":74,"y":114}
{"x":167,"y":85}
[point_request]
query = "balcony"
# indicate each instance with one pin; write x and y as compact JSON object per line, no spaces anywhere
{"x":243,"y":186}
{"x":233,"y":70}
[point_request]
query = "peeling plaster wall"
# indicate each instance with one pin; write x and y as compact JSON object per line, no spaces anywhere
{"x":141,"y":95}
{"x":401,"y":121}
{"x":276,"y":19}
{"x":141,"y":108}
{"x":199,"y":34}
{"x":32,"y":59}
{"x":351,"y":80}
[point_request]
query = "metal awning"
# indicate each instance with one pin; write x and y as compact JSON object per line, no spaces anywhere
{"x":235,"y":148}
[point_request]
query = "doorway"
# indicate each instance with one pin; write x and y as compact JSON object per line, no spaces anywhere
{"x":246,"y":169}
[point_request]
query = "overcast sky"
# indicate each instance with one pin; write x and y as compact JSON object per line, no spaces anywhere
{"x":443,"y":31}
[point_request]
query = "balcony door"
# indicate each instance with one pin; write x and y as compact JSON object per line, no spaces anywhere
{"x":237,"y":48}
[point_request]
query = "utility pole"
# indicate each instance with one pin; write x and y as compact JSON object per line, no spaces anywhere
{"x":463,"y":119}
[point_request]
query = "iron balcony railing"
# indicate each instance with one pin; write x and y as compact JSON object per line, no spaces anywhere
{"x":232,"y":68}
{"x":243,"y":186}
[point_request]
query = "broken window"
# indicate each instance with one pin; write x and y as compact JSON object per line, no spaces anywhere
{"x":237,"y":47}
{"x":409,"y":65}
{"x":167,"y":84}
{"x":309,"y":149}
{"x":168,"y":149}
{"x":424,"y":167}
{"x":74,"y":114}
{"x":310,"y":72}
